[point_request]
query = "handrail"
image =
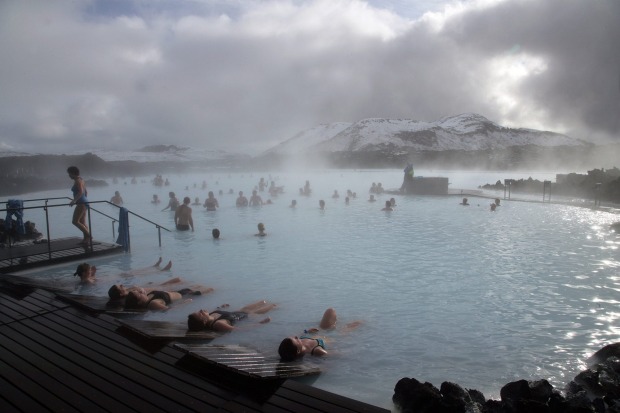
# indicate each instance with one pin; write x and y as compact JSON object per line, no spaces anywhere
{"x":114,"y":220}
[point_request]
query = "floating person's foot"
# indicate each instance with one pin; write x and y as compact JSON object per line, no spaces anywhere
{"x":224,"y":306}
{"x":265,"y":321}
{"x":167,"y":267}
{"x":157,"y":263}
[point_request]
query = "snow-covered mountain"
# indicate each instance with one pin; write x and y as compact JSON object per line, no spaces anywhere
{"x":465,"y":132}
{"x":309,"y":138}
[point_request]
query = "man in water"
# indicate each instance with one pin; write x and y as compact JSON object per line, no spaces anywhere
{"x":242,"y":201}
{"x":183,"y":216}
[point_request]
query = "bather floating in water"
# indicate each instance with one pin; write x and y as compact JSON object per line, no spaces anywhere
{"x":224,"y":321}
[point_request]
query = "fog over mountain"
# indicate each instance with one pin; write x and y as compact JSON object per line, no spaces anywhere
{"x":465,"y":132}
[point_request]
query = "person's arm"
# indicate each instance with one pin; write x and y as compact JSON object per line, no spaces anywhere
{"x":176,"y":217}
{"x":157,"y":305}
{"x":223,"y":326}
{"x":191,"y":222}
{"x":318,"y":351}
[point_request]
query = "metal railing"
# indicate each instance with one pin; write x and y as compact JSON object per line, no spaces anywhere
{"x":90,"y":209}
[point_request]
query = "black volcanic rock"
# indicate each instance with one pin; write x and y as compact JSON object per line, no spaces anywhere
{"x":594,"y":390}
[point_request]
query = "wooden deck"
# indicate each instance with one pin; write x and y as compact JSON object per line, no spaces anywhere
{"x":248,"y":362}
{"x":165,"y":330}
{"x":31,"y":255}
{"x":55,"y":356}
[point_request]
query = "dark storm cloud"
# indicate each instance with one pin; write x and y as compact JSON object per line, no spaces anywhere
{"x":246,"y":75}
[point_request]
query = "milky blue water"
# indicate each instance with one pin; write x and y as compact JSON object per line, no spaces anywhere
{"x":446,"y":292}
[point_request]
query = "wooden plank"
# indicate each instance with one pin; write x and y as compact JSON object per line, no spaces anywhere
{"x":33,"y":283}
{"x":168,"y":377}
{"x":13,"y":399}
{"x":29,"y":359}
{"x":241,"y":404}
{"x":99,"y":305}
{"x":23,"y":303}
{"x":30,"y":387}
{"x":247,"y":361}
{"x":95,"y":370}
{"x":162,"y":329}
{"x":138,"y":372}
{"x":298,"y":397}
{"x":60,"y":250}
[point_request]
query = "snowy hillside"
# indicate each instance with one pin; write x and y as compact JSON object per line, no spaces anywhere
{"x":309,"y":138}
{"x":466,"y":132}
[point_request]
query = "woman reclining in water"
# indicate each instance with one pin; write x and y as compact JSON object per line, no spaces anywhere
{"x":157,"y":300}
{"x":224,"y":321}
{"x":294,"y":347}
{"x":119,"y":291}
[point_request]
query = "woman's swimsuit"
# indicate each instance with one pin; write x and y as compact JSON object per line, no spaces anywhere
{"x":75,"y":190}
{"x":231,"y":316}
{"x":319,"y":343}
{"x":163,"y":295}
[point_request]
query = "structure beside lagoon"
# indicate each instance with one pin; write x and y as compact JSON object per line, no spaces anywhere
{"x":421,"y":185}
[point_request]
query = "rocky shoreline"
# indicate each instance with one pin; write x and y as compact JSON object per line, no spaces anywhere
{"x":596,"y":389}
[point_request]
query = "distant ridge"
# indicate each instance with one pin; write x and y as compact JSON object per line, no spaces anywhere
{"x":464,"y":132}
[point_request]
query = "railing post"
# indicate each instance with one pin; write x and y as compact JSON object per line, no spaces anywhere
{"x":159,"y":235}
{"x":90,"y":228}
{"x":128,"y":247}
{"x":47,"y":228}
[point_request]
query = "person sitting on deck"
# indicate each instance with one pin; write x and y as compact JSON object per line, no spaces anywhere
{"x":294,"y":347}
{"x":86,"y":272}
{"x":224,"y":321}
{"x":157,"y":300}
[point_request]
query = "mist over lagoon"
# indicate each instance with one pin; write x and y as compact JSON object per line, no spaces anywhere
{"x":446,"y":292}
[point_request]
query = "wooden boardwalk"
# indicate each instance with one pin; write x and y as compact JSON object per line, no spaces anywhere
{"x":55,"y":357}
{"x":30,"y":255}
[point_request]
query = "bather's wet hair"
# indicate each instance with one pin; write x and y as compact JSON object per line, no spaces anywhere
{"x":115,"y":292}
{"x":133,"y":300}
{"x":81,"y":269}
{"x":73,"y":170}
{"x":288,"y":351}
{"x":195,"y":323}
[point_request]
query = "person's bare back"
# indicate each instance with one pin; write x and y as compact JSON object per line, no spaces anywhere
{"x":183,"y":216}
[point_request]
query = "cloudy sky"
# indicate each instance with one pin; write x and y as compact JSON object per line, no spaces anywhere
{"x":244,"y":75}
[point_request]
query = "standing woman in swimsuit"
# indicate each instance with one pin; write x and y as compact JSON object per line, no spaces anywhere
{"x":81,"y":203}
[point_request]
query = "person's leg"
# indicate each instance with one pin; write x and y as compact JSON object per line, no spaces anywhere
{"x":251,"y":308}
{"x":329,"y":319}
{"x":79,"y":220}
{"x":157,"y":263}
{"x":264,"y":308}
{"x":168,"y":266}
{"x":175,"y":280}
